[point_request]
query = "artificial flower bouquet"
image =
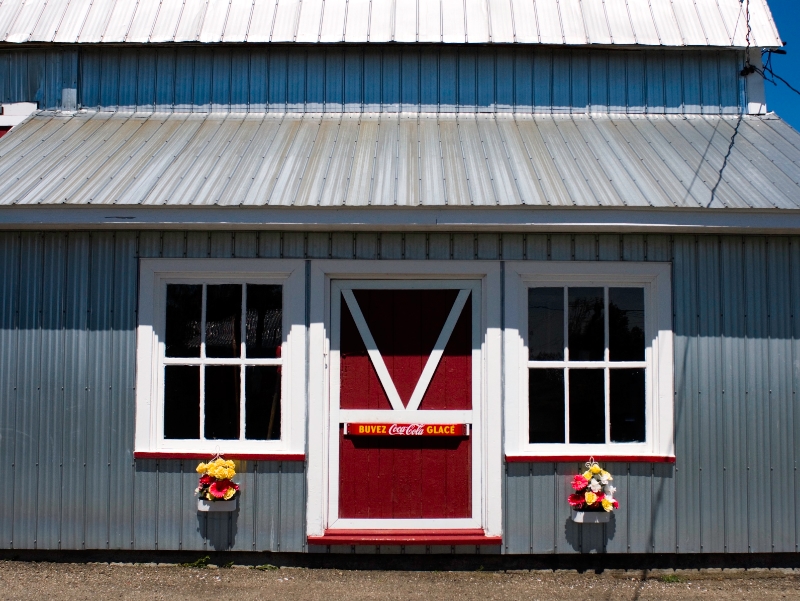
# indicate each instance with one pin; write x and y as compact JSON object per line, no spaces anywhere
{"x":593,"y":490}
{"x":216,"y":480}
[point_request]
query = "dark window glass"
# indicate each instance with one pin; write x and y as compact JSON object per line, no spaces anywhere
{"x":546,"y":324}
{"x":182,"y":401}
{"x":627,"y":405}
{"x":263,"y":326}
{"x":223,"y":320}
{"x":587,"y":406}
{"x":546,"y":405}
{"x":184,"y":307}
{"x":626,"y":324}
{"x":262,"y":402}
{"x":586,"y":327}
{"x":222,"y":402}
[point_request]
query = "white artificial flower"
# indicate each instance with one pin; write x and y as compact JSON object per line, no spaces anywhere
{"x":595,"y":486}
{"x":609,"y":490}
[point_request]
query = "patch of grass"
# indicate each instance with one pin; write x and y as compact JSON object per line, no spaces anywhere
{"x":266,"y":566}
{"x":201,"y":563}
{"x":670,"y":578}
{"x":227,"y":565}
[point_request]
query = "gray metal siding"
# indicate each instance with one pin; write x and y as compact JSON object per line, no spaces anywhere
{"x":404,"y":78}
{"x":67,"y":330}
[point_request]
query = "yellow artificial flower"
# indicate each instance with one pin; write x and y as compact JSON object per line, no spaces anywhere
{"x":605,"y":475}
{"x":595,"y":469}
{"x":232,"y":491}
{"x":588,"y":475}
{"x":607,"y":505}
{"x":201,"y":468}
{"x":590,"y":497}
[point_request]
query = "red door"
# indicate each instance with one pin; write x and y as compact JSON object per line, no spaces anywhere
{"x":405,"y":356}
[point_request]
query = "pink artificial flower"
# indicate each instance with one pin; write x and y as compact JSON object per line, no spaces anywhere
{"x":579,"y":482}
{"x":219,"y":488}
{"x":576,"y":500}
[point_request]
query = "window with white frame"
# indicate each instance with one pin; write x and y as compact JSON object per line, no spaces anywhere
{"x":595,"y":359}
{"x":216,"y":362}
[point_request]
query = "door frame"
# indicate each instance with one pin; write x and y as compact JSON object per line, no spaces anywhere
{"x":487,"y":449}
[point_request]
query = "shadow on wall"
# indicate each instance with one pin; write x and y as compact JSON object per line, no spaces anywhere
{"x":590,"y":538}
{"x":218,"y":529}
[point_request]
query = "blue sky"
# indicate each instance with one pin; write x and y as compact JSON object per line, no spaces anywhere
{"x":781,"y":99}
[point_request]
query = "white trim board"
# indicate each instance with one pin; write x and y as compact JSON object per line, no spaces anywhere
{"x":487,"y":416}
{"x":153,"y":279}
{"x":655,"y":278}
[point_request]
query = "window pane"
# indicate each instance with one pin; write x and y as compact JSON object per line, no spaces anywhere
{"x":546,"y":405}
{"x":587,"y":406}
{"x":626,"y":324}
{"x":262,"y":403}
{"x":222,"y":402}
{"x":264,"y":321}
{"x":586,"y":327}
{"x":182,"y":401}
{"x":627,"y":405}
{"x":223,"y":325}
{"x":546,"y":324}
{"x":184,"y":306}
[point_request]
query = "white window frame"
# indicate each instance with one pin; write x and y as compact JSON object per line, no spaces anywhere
{"x":154,"y":275}
{"x":323,"y":277}
{"x":655,"y":278}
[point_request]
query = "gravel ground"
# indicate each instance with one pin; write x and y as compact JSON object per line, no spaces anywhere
{"x":21,"y":580}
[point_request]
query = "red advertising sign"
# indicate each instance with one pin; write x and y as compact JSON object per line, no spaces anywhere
{"x":406,"y":429}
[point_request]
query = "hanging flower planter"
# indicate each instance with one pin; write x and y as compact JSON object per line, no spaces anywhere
{"x":216,"y":490}
{"x":593,"y":500}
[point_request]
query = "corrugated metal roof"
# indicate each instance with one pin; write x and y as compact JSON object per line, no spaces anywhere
{"x":620,"y":22}
{"x":353,"y":159}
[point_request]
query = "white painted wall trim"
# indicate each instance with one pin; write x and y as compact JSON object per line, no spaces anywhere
{"x":655,"y":278}
{"x":425,"y":273}
{"x":153,"y":279}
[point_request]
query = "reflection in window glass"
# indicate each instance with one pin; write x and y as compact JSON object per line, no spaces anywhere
{"x":264,"y":323}
{"x":626,"y":324}
{"x":587,"y":407}
{"x":182,"y":401}
{"x":586,"y":328}
{"x":222,"y":401}
{"x":263,"y":402}
{"x":184,"y":310}
{"x":627,"y":404}
{"x":223,"y":320}
{"x":546,"y":402}
{"x":546,"y":324}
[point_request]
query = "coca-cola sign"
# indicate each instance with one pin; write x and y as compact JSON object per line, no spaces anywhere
{"x":406,"y":430}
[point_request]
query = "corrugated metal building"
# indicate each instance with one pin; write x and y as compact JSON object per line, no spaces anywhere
{"x":499,"y":150}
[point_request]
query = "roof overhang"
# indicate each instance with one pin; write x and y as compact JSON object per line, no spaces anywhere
{"x":419,"y":219}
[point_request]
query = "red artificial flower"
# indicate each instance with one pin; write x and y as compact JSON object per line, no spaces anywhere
{"x":579,"y":482}
{"x":219,"y":488}
{"x":576,"y":500}
{"x":615,"y":504}
{"x":206,"y":480}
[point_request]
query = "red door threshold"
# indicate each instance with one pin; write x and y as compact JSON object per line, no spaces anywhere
{"x":472,"y":536}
